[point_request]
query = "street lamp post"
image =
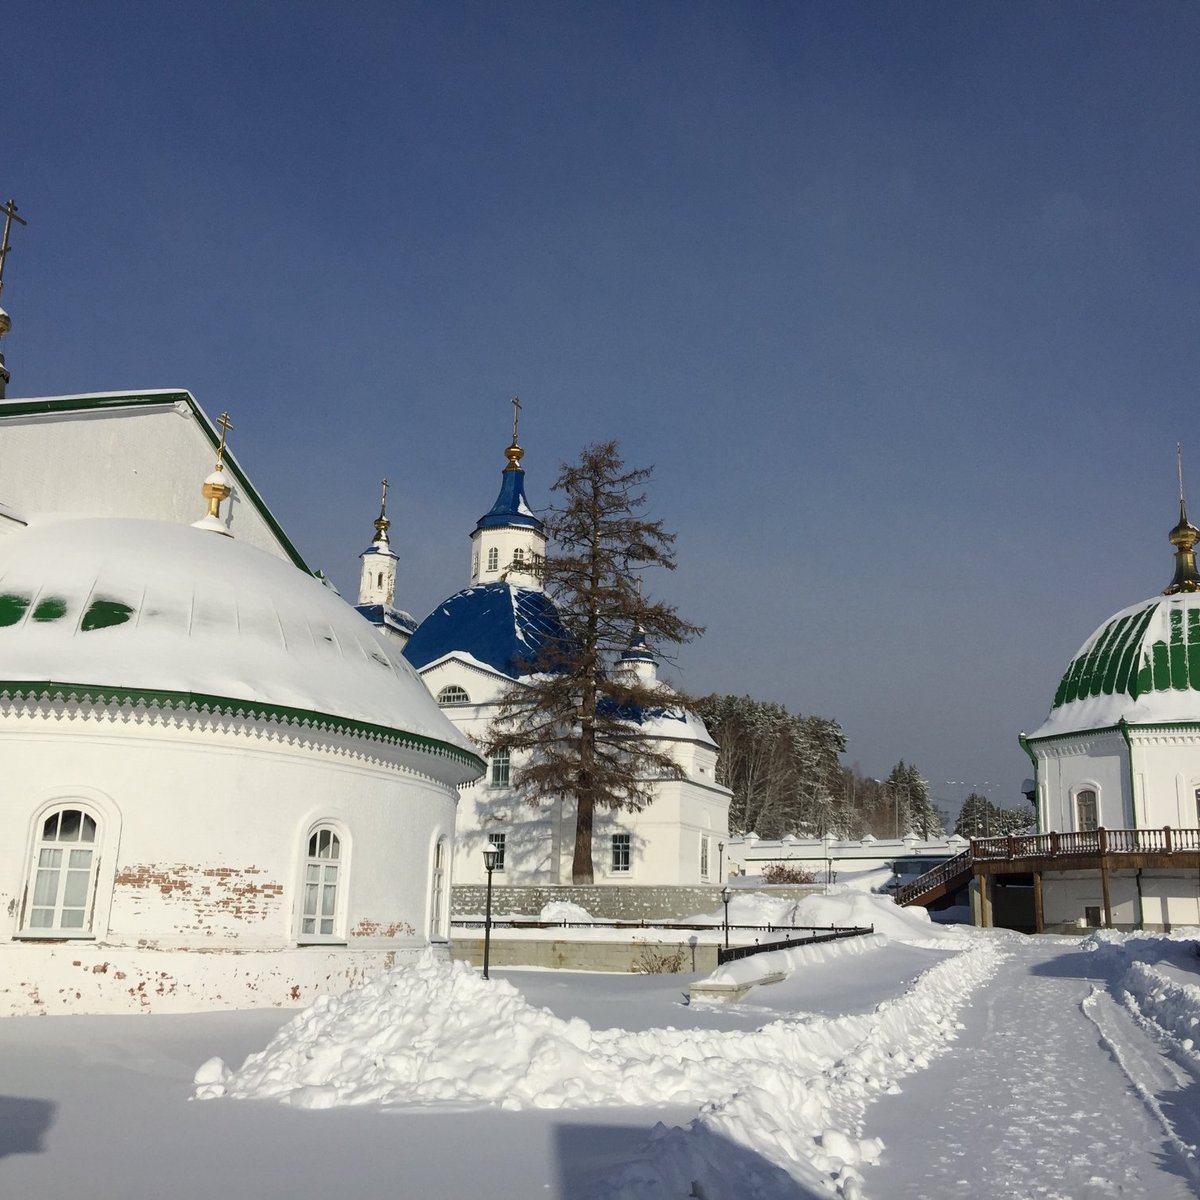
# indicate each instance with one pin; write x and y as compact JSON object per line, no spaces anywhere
{"x":490,"y":854}
{"x":726,"y":896}
{"x":720,"y":860}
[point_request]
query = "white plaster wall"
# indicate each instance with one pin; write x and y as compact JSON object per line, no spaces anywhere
{"x":1069,"y":765}
{"x":506,"y":541}
{"x":79,"y":977}
{"x":540,"y":842}
{"x":204,"y":832}
{"x":1168,"y":897}
{"x":131,"y":462}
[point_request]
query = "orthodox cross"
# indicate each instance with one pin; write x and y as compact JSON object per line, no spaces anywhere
{"x":516,"y":403}
{"x":10,"y":215}
{"x":1179,"y":469}
{"x":226,"y":425}
{"x":383,"y":502}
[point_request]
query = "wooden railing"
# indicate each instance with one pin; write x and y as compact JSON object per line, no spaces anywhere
{"x":1096,"y":843}
{"x":1166,"y":840}
{"x":944,"y":873}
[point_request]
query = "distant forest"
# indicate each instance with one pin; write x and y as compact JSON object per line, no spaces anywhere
{"x":786,"y":775}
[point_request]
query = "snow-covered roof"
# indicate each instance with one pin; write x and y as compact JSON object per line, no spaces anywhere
{"x":498,"y":623}
{"x":140,"y":606}
{"x":1141,"y":666}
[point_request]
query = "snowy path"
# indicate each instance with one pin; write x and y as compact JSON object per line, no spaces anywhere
{"x":1052,"y":1090}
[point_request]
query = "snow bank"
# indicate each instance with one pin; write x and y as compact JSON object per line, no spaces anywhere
{"x":792,"y":1092}
{"x":1155,"y":976}
{"x":564,"y":910}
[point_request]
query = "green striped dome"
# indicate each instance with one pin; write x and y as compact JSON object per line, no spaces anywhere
{"x":1143,"y":665}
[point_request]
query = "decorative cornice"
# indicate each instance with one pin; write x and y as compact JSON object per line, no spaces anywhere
{"x":302,"y":721}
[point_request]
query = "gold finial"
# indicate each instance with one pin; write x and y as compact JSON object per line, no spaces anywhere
{"x":216,"y":487}
{"x":1184,"y":538}
{"x":382,"y":524}
{"x":514,"y":453}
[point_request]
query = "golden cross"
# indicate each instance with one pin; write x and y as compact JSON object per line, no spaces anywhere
{"x":226,"y":425}
{"x":516,"y":403}
{"x":10,"y":215}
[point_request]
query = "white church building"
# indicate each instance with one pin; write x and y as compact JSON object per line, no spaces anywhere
{"x":472,"y":647}
{"x":222,"y":788}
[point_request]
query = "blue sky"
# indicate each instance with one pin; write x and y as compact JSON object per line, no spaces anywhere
{"x":899,"y":298}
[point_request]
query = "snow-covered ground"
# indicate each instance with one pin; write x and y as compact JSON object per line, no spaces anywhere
{"x":927,"y":1061}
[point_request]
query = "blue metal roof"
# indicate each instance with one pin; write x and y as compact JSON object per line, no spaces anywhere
{"x":511,"y":507}
{"x":496,"y":623}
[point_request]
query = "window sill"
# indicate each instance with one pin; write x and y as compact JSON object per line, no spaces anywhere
{"x":325,"y":941}
{"x":53,"y":935}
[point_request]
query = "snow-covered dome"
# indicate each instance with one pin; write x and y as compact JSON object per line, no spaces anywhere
{"x":157,"y":611}
{"x":498,"y":624}
{"x":1141,"y":666}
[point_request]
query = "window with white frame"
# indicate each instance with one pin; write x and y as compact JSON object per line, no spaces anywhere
{"x":436,"y":899}
{"x":501,"y":767}
{"x":498,"y":840}
{"x":322,"y":879}
{"x":474,"y":565}
{"x":620,"y":852}
{"x":63,"y":875}
{"x":704,"y":855}
{"x":452,"y":694}
{"x":1086,"y":812}
{"x":518,"y":557}
{"x":493,"y":558}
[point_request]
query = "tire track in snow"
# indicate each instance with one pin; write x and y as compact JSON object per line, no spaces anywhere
{"x":1147,"y":1070}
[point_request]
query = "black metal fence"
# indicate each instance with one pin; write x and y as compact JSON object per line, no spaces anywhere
{"x":832,"y":934}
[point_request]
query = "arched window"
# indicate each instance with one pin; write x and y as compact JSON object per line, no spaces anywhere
{"x":1086,"y":811}
{"x":379,"y":580}
{"x":452,"y":694}
{"x":436,"y":900}
{"x":63,"y":874}
{"x":322,"y":880}
{"x":518,"y":557}
{"x":501,"y":768}
{"x":493,"y":559}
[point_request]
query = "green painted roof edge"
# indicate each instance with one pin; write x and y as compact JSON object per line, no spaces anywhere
{"x":46,"y":690}
{"x":28,"y":408}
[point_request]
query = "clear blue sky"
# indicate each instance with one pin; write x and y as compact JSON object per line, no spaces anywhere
{"x":900,"y":298}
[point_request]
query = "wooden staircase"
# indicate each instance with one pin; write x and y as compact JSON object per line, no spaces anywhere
{"x":945,"y":878}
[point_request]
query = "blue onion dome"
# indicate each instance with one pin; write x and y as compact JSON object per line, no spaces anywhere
{"x":511,"y":507}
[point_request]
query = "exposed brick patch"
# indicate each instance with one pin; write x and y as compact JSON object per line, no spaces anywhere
{"x":204,"y":900}
{"x":377,"y":929}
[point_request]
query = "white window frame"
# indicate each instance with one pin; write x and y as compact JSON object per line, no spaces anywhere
{"x":319,"y":864}
{"x":493,"y":559}
{"x":63,"y":868}
{"x":519,"y":558}
{"x":621,"y":853}
{"x":705,"y":855}
{"x":501,"y":768}
{"x":439,"y":871}
{"x":451,"y":696}
{"x":500,"y":841}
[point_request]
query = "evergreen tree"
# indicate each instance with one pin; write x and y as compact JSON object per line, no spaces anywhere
{"x":782,"y":768}
{"x":981,"y":818}
{"x":912,"y":806}
{"x":575,"y":714}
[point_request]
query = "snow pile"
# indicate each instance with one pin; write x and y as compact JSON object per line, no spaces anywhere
{"x":1156,"y":977}
{"x":564,"y":910}
{"x":792,"y":1093}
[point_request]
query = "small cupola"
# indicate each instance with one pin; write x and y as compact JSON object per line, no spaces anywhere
{"x":216,"y":487}
{"x":1184,"y":538}
{"x":638,"y":661}
{"x":377,"y":583}
{"x":509,"y":541}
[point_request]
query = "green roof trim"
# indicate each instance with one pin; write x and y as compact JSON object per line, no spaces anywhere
{"x":226,"y":705}
{"x":62,"y":404}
